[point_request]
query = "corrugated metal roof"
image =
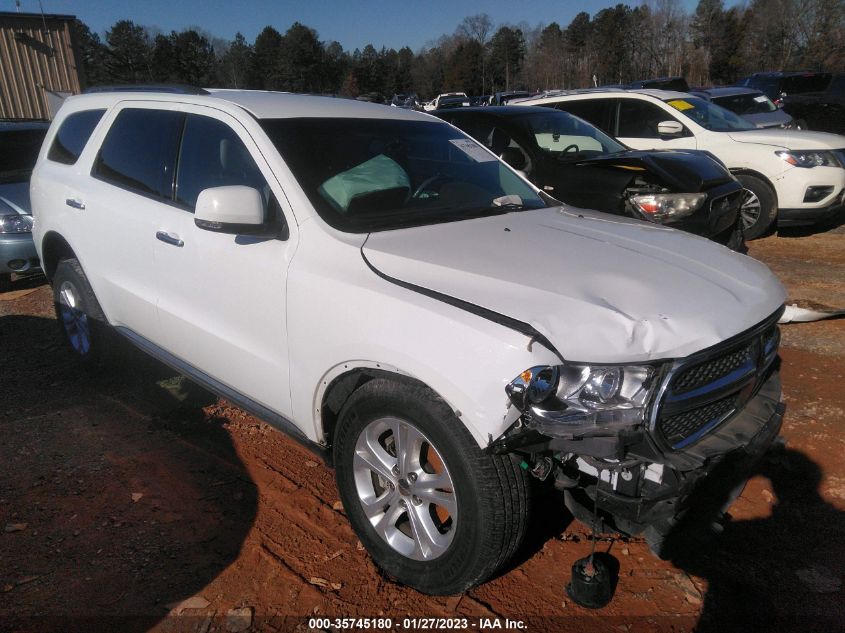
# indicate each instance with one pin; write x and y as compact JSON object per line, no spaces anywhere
{"x":36,"y":54}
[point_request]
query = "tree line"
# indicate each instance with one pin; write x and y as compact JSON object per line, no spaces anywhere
{"x":713,"y":44}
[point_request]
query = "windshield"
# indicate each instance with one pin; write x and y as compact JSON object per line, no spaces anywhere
{"x":365,"y":175}
{"x":748,"y":103}
{"x":567,"y":137}
{"x":20,"y":151}
{"x":709,"y":115}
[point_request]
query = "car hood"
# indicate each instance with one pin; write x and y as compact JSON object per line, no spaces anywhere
{"x":14,"y":198}
{"x":790,"y":139}
{"x":600,"y":288}
{"x":687,"y":171}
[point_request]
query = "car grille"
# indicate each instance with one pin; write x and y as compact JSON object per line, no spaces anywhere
{"x":705,"y":390}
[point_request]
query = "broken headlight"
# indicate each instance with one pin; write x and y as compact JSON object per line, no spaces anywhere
{"x":564,"y":399}
{"x":667,"y":207}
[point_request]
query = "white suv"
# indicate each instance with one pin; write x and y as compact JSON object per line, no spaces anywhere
{"x":384,"y":289}
{"x":794,"y":176}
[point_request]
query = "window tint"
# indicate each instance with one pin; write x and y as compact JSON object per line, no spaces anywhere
{"x":639,"y":119}
{"x":212,"y":155}
{"x":140,"y":150}
{"x":73,"y":135}
{"x":20,"y":151}
{"x":595,"y":111}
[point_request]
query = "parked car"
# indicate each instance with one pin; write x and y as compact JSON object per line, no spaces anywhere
{"x":448,"y":100}
{"x":502,"y":98}
{"x":752,"y":105}
{"x":407,"y":101}
{"x":20,"y":142}
{"x":777,"y":85}
{"x":679,"y":84}
{"x":428,"y":321}
{"x":580,"y":165}
{"x":793,"y":176}
{"x":822,"y":110}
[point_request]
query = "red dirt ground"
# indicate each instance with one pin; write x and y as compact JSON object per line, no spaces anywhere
{"x":116,"y":509}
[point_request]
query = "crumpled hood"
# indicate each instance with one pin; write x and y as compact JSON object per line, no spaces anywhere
{"x":790,"y":139}
{"x":682,"y":170}
{"x":600,"y":288}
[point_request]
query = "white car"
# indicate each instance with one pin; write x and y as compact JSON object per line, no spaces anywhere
{"x":453,"y":99}
{"x":793,"y":176}
{"x":381,"y":287}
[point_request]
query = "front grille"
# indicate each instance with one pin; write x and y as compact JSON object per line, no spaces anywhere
{"x":704,"y":391}
{"x":683,"y":428}
{"x":709,"y":371}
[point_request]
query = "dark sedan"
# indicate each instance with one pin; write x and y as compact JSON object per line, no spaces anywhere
{"x":579,"y":164}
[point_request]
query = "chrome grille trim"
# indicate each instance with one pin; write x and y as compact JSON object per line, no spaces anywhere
{"x":739,"y":383}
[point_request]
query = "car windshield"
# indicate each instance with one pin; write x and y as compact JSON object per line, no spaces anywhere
{"x":365,"y":175}
{"x":20,"y":151}
{"x":709,"y":115}
{"x":748,"y":103}
{"x":567,"y":137}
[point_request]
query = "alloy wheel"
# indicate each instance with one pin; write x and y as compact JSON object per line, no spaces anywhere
{"x":750,"y":210}
{"x":405,"y":489}
{"x":74,"y":319}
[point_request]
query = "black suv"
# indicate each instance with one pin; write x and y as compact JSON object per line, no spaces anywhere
{"x":824,"y":110}
{"x":777,"y":85}
{"x":579,"y":164}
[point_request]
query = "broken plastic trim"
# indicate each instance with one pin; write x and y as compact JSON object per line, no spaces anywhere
{"x":490,"y":315}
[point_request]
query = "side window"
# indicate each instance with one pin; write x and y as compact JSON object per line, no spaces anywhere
{"x":72,"y":136}
{"x":595,"y":111}
{"x":212,"y":155}
{"x":639,"y":119}
{"x":139,"y":151}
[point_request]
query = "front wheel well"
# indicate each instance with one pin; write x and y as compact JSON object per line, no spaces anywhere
{"x":759,"y":176}
{"x":54,"y":249}
{"x":341,"y":388}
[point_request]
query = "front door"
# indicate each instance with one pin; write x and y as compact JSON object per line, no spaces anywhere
{"x":222,"y":297}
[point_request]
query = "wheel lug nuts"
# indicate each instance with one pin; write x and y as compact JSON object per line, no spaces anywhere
{"x":390,"y":484}
{"x":412,"y":477}
{"x":403,"y":503}
{"x":395,"y":470}
{"x":417,"y":501}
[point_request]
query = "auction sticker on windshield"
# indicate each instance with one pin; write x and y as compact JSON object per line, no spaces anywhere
{"x":680,"y":104}
{"x":472,"y":149}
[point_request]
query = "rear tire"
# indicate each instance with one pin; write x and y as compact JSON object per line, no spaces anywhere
{"x":759,"y":207}
{"x":414,"y":439}
{"x":81,"y":320}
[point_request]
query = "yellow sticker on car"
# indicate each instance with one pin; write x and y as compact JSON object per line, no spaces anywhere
{"x":680,"y":104}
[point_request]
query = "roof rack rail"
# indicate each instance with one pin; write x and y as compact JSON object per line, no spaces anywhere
{"x":182,"y":89}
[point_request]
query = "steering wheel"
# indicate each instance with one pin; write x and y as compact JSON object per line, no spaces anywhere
{"x":569,"y":147}
{"x":428,"y":181}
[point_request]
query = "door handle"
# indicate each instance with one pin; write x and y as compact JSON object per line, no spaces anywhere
{"x":167,"y":238}
{"x":76,"y":203}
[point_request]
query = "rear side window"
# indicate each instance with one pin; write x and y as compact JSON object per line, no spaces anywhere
{"x":212,"y":155}
{"x":595,"y":111}
{"x":139,"y":152}
{"x":639,"y":119}
{"x":72,"y":136}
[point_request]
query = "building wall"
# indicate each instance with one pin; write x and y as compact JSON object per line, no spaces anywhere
{"x":33,"y":61}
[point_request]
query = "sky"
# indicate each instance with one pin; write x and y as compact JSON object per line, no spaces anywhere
{"x":353,"y":23}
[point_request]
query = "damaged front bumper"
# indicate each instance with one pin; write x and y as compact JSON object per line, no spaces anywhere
{"x":712,"y":416}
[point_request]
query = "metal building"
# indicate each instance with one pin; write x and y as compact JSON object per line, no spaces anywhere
{"x":38,"y":64}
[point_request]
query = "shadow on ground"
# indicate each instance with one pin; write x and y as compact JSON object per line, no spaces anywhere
{"x":122,"y":500}
{"x":779,"y":573}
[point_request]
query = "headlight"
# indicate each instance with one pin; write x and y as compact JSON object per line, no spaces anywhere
{"x":564,"y":399}
{"x":15,"y":223}
{"x":810,"y":158}
{"x":666,"y":207}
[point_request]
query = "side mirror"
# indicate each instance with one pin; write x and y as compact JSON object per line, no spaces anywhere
{"x":234,"y":209}
{"x":669,"y":128}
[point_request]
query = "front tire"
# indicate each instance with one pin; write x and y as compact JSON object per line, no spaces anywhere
{"x":759,"y":207}
{"x":432,"y":509}
{"x":81,"y":320}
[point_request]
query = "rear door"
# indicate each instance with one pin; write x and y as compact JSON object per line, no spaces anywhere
{"x":222,"y":297}
{"x":130,"y":183}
